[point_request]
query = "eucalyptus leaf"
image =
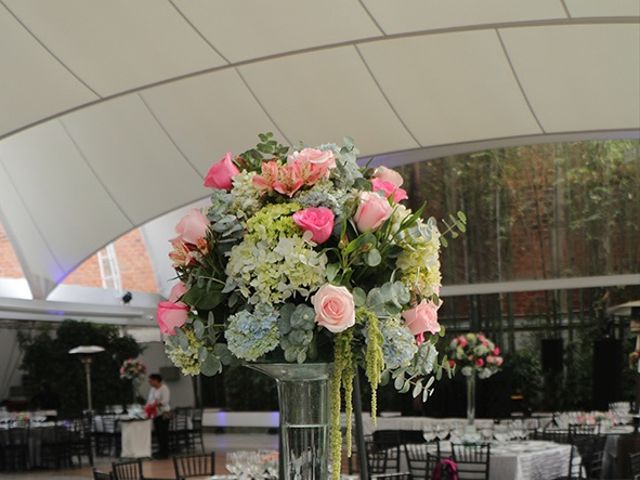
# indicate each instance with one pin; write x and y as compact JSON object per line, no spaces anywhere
{"x":211,"y":366}
{"x":374,"y":258}
{"x":198,"y":329}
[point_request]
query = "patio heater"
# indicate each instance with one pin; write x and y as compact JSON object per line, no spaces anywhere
{"x":86,"y":353}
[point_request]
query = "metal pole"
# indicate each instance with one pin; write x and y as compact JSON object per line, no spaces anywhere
{"x":87,"y":373}
{"x":357,"y":404}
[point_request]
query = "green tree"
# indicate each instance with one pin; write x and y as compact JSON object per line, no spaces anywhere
{"x":46,"y":361}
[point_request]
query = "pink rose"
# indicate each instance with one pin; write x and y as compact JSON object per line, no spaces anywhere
{"x":389,"y":175}
{"x":221,"y":173}
{"x":334,"y":308}
{"x":499,"y":361}
{"x":171,"y":315}
{"x":496,"y":351}
{"x":372,"y":212}
{"x":193,"y":227}
{"x":463,"y":341}
{"x":422,"y":318}
{"x":177,"y":291}
{"x":318,"y":221}
{"x":389,"y":189}
{"x":324,"y":158}
{"x":480,"y":362}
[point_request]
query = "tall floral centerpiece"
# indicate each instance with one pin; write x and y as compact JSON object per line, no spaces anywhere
{"x":475,"y":355}
{"x":304,"y":266}
{"x":133,"y":371}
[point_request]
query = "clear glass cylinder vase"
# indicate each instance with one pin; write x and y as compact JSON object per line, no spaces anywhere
{"x":471,"y":400}
{"x":303,"y":398}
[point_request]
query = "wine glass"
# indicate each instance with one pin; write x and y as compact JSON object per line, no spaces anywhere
{"x":428,"y":434}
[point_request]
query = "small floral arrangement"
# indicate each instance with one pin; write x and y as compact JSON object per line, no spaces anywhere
{"x":132,"y":369}
{"x":474,"y":354}
{"x":304,"y":256}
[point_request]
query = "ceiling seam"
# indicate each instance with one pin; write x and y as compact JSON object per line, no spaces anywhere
{"x":30,"y":215}
{"x":264,"y":109}
{"x":169,"y":136}
{"x":566,"y":9}
{"x":384,"y":95}
{"x":49,"y":51}
{"x":90,"y":167}
{"x":372,"y":18}
{"x":518,"y":82}
{"x":330,"y":46}
{"x":200,"y":34}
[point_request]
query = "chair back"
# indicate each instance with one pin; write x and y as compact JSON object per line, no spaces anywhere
{"x":582,"y":429}
{"x":634,"y":460}
{"x":98,"y":475}
{"x":472,"y":460}
{"x":376,"y":458}
{"x":590,"y":449}
{"x":554,"y":435}
{"x":422,"y":459}
{"x":186,"y":466}
{"x":127,"y":470}
{"x":179,"y":420}
{"x":390,"y":441}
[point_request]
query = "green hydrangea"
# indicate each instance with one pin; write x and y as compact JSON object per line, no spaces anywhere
{"x":184,"y":352}
{"x":274,"y":262}
{"x":252,"y":335}
{"x":419,"y":262}
{"x":245,"y":197}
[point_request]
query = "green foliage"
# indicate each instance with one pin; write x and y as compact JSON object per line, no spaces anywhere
{"x":249,"y":390}
{"x":46,"y":360}
{"x":265,"y":150}
{"x":524,"y":369}
{"x":296,"y":326}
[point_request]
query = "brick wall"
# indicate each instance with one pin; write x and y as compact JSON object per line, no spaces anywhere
{"x":136,"y":271}
{"x":9,"y":265}
{"x":135,"y":267}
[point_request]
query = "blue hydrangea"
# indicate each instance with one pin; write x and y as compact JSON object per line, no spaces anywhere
{"x":252,"y":335}
{"x":399,"y":346}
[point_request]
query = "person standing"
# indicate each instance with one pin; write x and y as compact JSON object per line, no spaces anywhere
{"x":159,"y":396}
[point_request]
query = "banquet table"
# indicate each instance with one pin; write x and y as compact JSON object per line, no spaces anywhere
{"x":525,"y":460}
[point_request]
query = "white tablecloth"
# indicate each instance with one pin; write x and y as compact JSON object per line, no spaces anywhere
{"x":529,"y":460}
{"x":136,"y":438}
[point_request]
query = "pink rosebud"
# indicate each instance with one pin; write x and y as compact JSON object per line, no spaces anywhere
{"x":463,"y":341}
{"x":480,"y":362}
{"x":221,"y":173}
{"x":323,"y":158}
{"x":422,"y":318}
{"x":334,"y":308}
{"x":389,"y":189}
{"x":193,"y":227}
{"x":496,"y":351}
{"x":170,"y":316}
{"x":372,"y":212}
{"x":452,"y":363}
{"x":177,"y":291}
{"x":420,"y":338}
{"x":318,"y":221}
{"x":389,"y":175}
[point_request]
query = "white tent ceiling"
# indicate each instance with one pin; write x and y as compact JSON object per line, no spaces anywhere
{"x":111,"y":112}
